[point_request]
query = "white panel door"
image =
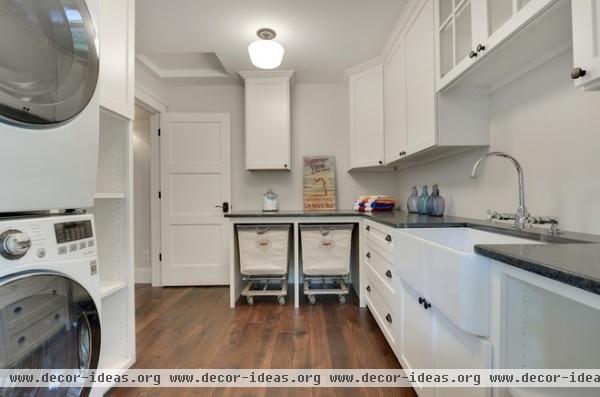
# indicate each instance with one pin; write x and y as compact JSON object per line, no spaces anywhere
{"x":420,"y":82}
{"x":366,"y":118}
{"x":586,"y":43}
{"x":195,"y":179}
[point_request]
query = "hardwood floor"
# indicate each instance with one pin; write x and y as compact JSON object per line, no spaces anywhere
{"x":195,"y":328}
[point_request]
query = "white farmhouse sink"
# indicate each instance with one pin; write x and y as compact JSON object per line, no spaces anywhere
{"x":441,"y":264}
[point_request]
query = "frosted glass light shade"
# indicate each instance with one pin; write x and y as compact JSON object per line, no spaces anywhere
{"x":266,"y":54}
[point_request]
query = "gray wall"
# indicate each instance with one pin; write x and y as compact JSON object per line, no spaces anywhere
{"x":319,"y":127}
{"x":553,"y":129}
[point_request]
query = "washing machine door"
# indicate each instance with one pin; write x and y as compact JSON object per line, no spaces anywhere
{"x":49,"y":64}
{"x":47,"y":321}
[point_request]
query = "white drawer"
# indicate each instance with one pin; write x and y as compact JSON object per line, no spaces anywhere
{"x":380,"y":235}
{"x":381,"y":264}
{"x":386,"y":318}
{"x":21,"y":314}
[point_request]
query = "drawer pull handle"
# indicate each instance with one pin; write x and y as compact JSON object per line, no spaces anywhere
{"x":388,"y":238}
{"x":21,"y":340}
{"x":368,"y":228}
{"x":388,"y":317}
{"x":421,"y":300}
{"x":368,"y":288}
{"x":368,"y":255}
{"x":388,"y":274}
{"x":17,"y":310}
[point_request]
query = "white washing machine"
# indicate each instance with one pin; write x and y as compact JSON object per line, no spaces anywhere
{"x":49,"y":297}
{"x":49,"y":104}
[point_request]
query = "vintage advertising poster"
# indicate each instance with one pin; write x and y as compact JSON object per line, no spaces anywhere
{"x":319,"y":183}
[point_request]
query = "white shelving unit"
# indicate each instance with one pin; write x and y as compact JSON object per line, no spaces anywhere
{"x":113,"y":211}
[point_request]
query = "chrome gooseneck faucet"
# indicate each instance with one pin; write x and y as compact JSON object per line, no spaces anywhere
{"x":522,"y":218}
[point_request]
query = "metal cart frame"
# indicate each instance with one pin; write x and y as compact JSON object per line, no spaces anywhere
{"x":325,"y":281}
{"x":263,"y":290}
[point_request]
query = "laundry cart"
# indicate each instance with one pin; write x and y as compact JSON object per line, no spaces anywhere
{"x":326,"y":259}
{"x":264,"y":260}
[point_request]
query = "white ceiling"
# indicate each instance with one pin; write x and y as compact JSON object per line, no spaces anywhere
{"x":322,"y":38}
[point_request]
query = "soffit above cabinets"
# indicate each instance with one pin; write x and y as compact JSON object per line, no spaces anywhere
{"x":321,"y":38}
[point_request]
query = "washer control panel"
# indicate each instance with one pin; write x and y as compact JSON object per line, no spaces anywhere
{"x":50,"y":238}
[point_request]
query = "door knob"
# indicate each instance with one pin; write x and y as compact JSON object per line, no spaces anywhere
{"x":224,"y":207}
{"x":577,"y":73}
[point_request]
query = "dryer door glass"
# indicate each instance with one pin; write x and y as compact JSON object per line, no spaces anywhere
{"x":49,"y":64}
{"x":47,"y":321}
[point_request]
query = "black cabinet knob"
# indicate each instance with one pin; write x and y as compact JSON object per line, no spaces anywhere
{"x":368,"y":288}
{"x":577,"y":73}
{"x":368,"y":228}
{"x":388,"y":274}
{"x":421,"y":300}
{"x":472,"y":54}
{"x":17,"y":309}
{"x":380,"y":162}
{"x":388,"y":317}
{"x":480,"y":47}
{"x":426,"y":305}
{"x":368,"y":255}
{"x":21,"y":340}
{"x":388,"y":238}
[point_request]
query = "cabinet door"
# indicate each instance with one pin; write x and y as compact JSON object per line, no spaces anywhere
{"x":394,"y":88}
{"x":586,"y":42}
{"x":421,"y":121}
{"x":267,"y":123}
{"x":457,"y":349}
{"x":117,"y":50}
{"x":416,"y":335}
{"x":366,"y":118}
{"x":499,"y":19}
{"x":457,"y":34}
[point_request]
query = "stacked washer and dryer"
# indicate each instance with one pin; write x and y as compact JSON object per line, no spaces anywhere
{"x":49,"y":129}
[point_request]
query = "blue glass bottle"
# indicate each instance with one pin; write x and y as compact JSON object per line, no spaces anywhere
{"x":422,"y":204}
{"x":436,"y":204}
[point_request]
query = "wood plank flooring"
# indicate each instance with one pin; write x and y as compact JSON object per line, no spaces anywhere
{"x":195,"y":328}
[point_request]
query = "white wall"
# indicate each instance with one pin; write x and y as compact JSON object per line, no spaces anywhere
{"x":141,"y":194}
{"x":319,"y":127}
{"x":553,"y":129}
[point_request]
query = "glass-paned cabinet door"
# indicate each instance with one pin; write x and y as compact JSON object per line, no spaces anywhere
{"x":456,"y":36}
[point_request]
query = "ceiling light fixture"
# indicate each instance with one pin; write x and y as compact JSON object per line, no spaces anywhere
{"x":266,"y":53}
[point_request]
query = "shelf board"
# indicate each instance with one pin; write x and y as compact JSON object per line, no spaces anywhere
{"x":109,"y":195}
{"x":108,"y":288}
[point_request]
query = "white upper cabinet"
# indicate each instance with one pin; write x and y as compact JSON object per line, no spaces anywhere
{"x":586,"y":44}
{"x":366,"y":118}
{"x":457,"y":37}
{"x":117,"y":51}
{"x":421,"y":119}
{"x":267,"y":106}
{"x":468,"y":31}
{"x":394,"y":82}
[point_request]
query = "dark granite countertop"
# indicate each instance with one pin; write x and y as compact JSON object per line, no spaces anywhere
{"x":569,"y":257}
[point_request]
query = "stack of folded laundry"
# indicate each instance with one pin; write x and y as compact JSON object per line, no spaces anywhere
{"x":372,"y":203}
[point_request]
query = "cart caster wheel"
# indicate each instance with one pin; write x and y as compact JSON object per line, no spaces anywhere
{"x":250,"y":301}
{"x":281,"y":300}
{"x":312,"y":299}
{"x":342,"y":299}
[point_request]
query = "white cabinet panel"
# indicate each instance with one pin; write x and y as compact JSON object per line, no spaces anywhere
{"x":420,"y":82}
{"x":394,"y":81}
{"x":267,"y":120}
{"x":366,"y":118}
{"x":586,"y":43}
{"x":416,"y":335}
{"x":117,"y":50}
